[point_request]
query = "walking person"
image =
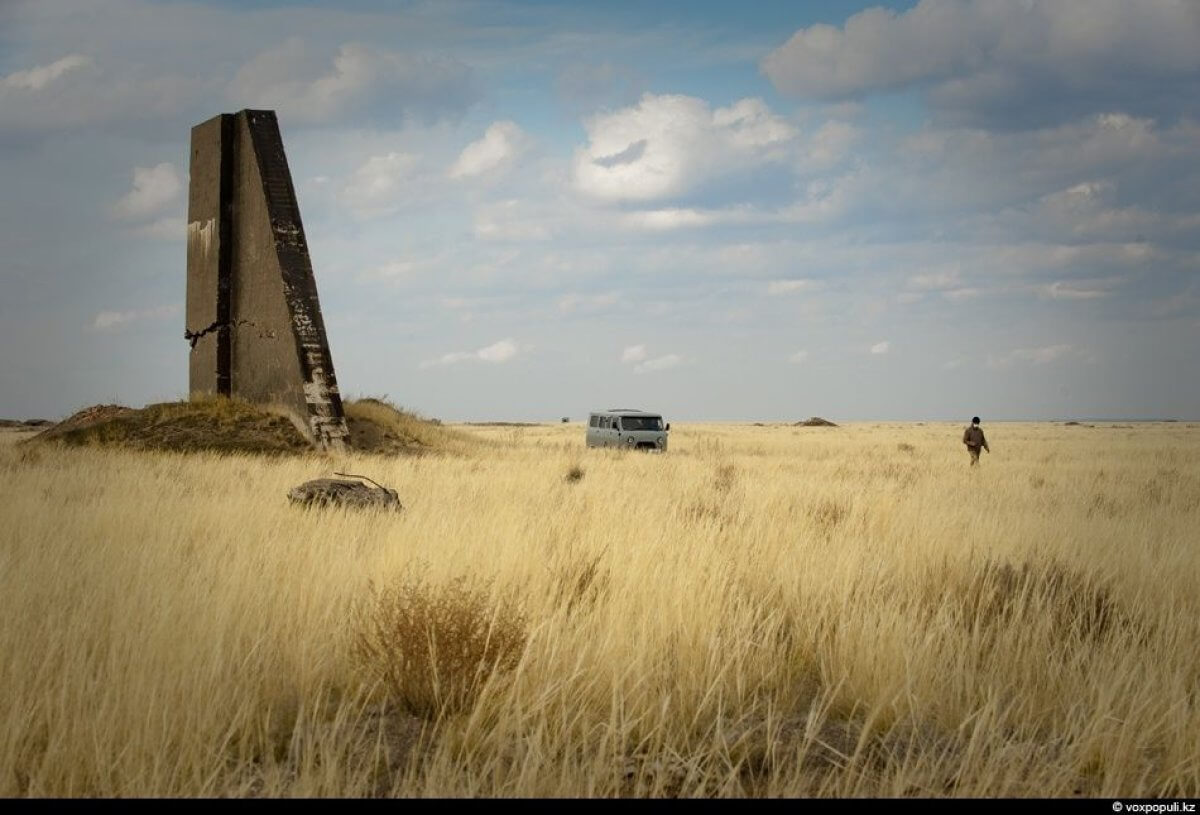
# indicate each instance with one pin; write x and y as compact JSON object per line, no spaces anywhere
{"x":975,"y":440}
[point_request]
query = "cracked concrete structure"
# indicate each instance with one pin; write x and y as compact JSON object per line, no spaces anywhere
{"x":253,"y":318}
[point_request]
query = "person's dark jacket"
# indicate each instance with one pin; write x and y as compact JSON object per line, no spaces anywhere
{"x":973,"y":437}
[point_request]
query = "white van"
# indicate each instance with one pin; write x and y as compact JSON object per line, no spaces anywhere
{"x":629,"y":429}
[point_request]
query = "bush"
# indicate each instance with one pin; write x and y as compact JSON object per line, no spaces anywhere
{"x":435,"y":646}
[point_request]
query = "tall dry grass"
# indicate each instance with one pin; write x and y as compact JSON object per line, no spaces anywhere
{"x":761,"y":611}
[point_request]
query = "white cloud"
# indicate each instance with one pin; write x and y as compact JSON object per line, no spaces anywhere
{"x":170,"y":228}
{"x":450,"y":359}
{"x":497,"y":352}
{"x":381,"y":185}
{"x":1041,"y":356}
{"x":936,"y":281}
{"x":510,"y":220}
{"x":1090,"y":209}
{"x":749,"y":124}
{"x":37,"y":78}
{"x":1033,"y":356}
{"x":662,"y":220}
{"x":1059,"y":183}
{"x":501,"y":351}
{"x":107,"y":320}
{"x":1085,"y":196}
{"x":798,"y":357}
{"x":634,"y":353}
{"x":881,"y":347}
{"x":792,"y":286}
{"x":829,"y":145}
{"x":658,"y":364}
{"x":979,"y":53}
{"x":572,"y":302}
{"x":821,"y":201}
{"x":153,"y":188}
{"x":1059,"y":290}
{"x":83,"y":92}
{"x":965,"y":293}
{"x":501,"y":143}
{"x":293,"y":80}
{"x":407,"y":270}
{"x":392,"y":270}
{"x":666,"y":146}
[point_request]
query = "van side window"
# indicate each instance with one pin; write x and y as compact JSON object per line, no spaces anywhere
{"x":595,"y":421}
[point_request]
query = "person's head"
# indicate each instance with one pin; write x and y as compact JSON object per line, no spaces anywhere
{"x":974,"y":420}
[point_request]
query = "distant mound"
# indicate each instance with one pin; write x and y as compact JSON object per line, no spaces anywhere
{"x":23,"y":424}
{"x":815,"y":421}
{"x":219,"y":424}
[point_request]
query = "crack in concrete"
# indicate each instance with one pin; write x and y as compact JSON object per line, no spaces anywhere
{"x":194,"y":336}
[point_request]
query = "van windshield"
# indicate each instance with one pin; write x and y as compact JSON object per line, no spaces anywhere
{"x":641,"y":423}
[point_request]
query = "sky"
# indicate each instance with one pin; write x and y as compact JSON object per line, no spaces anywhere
{"x":721,"y":211}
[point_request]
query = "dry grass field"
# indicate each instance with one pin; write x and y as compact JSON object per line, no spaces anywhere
{"x":762,"y":611}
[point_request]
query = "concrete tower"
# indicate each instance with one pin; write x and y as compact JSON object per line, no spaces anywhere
{"x":253,"y":318}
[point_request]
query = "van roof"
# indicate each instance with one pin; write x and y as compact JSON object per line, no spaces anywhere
{"x":626,"y":412}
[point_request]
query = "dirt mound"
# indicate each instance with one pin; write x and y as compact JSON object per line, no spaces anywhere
{"x":89,"y":416}
{"x":221,"y":425}
{"x":815,"y":421}
{"x":378,"y":426}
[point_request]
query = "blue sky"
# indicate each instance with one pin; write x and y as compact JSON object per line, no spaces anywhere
{"x":721,"y":211}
